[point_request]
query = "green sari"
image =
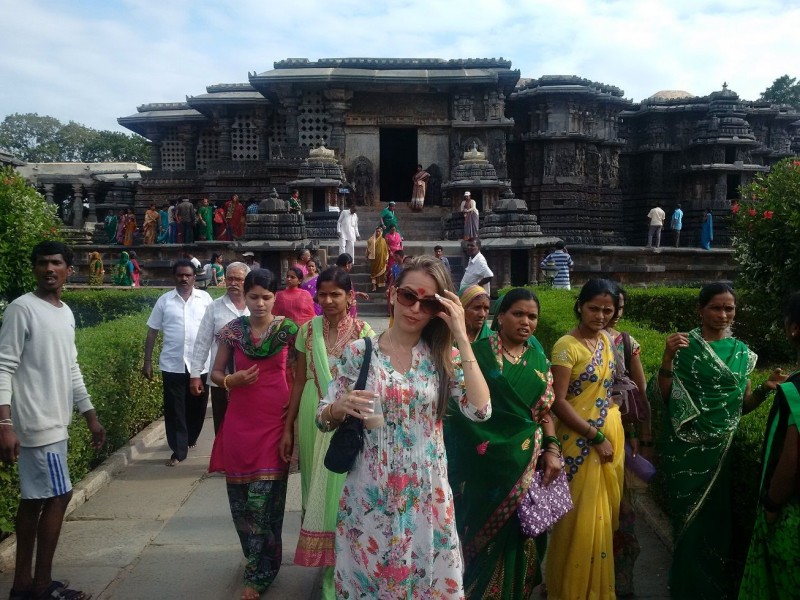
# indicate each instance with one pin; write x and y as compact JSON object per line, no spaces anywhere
{"x":206,"y":229}
{"x":320,"y":488}
{"x":702,"y":413}
{"x":123,"y":274}
{"x":772,"y":570}
{"x":493,"y":463}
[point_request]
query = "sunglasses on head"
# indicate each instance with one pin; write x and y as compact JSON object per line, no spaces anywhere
{"x":430,"y":305}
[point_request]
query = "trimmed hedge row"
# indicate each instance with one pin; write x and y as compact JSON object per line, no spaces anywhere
{"x":671,"y":312}
{"x":110,"y":356}
{"x":96,"y":305}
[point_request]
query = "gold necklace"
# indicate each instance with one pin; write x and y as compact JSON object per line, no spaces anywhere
{"x":593,"y":349}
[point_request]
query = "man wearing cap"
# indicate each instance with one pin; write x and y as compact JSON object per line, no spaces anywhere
{"x":389,"y":218}
{"x":250,"y":260}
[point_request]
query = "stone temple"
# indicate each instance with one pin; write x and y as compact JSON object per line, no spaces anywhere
{"x":586,"y":161}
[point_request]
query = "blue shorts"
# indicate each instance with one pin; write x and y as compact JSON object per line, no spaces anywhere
{"x":43,"y":471}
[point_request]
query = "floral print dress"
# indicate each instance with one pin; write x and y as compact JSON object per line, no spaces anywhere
{"x":396,"y":533}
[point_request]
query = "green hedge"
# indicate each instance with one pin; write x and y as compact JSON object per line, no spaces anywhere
{"x":93,"y":306}
{"x":110,"y":356}
{"x":649,"y":315}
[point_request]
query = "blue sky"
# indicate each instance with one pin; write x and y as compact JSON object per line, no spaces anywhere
{"x":92,"y":61}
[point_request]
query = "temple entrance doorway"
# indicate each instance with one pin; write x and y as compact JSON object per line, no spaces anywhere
{"x":318,"y":203}
{"x":398,"y":151}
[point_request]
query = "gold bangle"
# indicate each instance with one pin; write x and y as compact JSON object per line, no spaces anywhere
{"x":225,"y":383}
{"x":469,"y":360}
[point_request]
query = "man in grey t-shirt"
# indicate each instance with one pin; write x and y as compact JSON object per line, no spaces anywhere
{"x":40,"y":382}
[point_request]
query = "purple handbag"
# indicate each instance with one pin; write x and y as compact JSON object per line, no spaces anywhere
{"x":540,"y":507}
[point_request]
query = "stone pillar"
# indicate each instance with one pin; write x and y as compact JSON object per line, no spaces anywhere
{"x":49,"y":188}
{"x":224,"y":138}
{"x":190,"y":137}
{"x":291,"y":110}
{"x":92,"y":216}
{"x":77,"y":206}
{"x":337,"y":105}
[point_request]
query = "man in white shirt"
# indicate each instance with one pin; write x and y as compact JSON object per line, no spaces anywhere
{"x":178,"y":314}
{"x":656,"y":216}
{"x":477,"y":271}
{"x":347,"y":228}
{"x":40,"y":383}
{"x":221,"y":312}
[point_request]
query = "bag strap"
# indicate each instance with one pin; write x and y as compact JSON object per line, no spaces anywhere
{"x":362,"y":374}
{"x":627,"y":351}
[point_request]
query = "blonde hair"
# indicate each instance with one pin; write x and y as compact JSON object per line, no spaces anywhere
{"x":437,"y":333}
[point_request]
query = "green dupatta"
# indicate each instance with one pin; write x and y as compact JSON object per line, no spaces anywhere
{"x":277,"y":336}
{"x":495,"y":461}
{"x":703,"y":411}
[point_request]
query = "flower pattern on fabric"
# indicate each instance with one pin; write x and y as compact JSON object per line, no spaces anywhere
{"x":396,"y":534}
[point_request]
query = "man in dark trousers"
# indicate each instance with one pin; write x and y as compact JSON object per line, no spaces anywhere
{"x":40,"y":383}
{"x":178,"y":314}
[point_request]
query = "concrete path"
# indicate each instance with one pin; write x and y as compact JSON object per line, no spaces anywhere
{"x":150,"y":531}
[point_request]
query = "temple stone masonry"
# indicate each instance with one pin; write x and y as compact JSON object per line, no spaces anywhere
{"x":587,"y":163}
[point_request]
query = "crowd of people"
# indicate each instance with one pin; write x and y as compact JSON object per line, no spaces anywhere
{"x":464,"y":415}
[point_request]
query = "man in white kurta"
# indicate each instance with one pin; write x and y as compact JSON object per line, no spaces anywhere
{"x":347,"y":228}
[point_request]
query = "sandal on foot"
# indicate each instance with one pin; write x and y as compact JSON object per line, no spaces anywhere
{"x":20,"y":595}
{"x":250,"y":593}
{"x":172,"y":462}
{"x":58,"y":590}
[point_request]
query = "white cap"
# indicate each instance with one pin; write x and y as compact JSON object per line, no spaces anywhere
{"x":247,"y":254}
{"x":467,"y":194}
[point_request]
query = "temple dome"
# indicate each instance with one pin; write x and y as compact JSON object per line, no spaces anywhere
{"x":671,"y":95}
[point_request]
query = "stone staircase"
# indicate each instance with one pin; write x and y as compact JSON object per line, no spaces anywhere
{"x":376,"y":305}
{"x":426,"y":226}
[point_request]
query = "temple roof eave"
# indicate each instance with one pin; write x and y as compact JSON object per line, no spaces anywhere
{"x":338,"y":75}
{"x":580,"y":90}
{"x":316,"y":182}
{"x":143,"y":122}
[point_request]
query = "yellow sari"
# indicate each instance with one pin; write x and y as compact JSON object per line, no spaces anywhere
{"x":580,"y":554}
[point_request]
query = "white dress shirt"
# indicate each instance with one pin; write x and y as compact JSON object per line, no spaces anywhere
{"x":477,"y":269}
{"x":219,"y":313}
{"x":347,"y":226}
{"x":179,"y":321}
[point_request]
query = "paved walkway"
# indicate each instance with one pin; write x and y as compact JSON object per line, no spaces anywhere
{"x":149,"y":531}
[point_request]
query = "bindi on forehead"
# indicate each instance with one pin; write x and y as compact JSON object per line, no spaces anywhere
{"x":421,"y":291}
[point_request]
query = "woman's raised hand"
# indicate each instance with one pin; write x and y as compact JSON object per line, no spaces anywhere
{"x":675,"y":342}
{"x":453,"y":314}
{"x":245,"y":376}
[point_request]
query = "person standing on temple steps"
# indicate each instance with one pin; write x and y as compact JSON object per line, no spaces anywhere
{"x":40,"y":383}
{"x":656,"y":216}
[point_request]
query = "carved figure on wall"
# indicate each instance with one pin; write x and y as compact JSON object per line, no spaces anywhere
{"x":564,"y":163}
{"x":614,"y":169}
{"x":549,"y":162}
{"x":580,"y":161}
{"x":499,"y":153}
{"x":455,"y":154}
{"x":463,"y":108}
{"x":494,"y":105}
{"x":362,"y":181}
{"x":605,"y":167}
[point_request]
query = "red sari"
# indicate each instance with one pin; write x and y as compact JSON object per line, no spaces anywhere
{"x":234,"y":215}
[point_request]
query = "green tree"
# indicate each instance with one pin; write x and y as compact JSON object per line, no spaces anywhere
{"x":784,"y":90}
{"x":25,"y":220}
{"x":765,"y":224}
{"x":35,"y":138}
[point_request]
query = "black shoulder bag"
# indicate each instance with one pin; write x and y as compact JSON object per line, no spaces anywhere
{"x":348,"y":439}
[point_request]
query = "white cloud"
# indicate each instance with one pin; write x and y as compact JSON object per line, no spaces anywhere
{"x":95,"y":61}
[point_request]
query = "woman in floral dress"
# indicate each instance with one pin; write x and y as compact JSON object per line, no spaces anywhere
{"x":396,"y":533}
{"x":319,"y":346}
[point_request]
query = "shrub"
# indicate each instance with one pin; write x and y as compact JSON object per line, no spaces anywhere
{"x":765,"y":225}
{"x":25,"y":220}
{"x":110,"y":356}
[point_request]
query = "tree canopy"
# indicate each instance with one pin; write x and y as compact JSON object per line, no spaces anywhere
{"x":34,"y":138}
{"x":784,"y":90}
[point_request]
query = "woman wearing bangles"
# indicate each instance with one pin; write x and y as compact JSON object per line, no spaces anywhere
{"x":580,"y":556}
{"x":703,"y":384}
{"x":247,"y":447}
{"x":320,"y":343}
{"x":396,"y":535}
{"x":640,"y":437}
{"x":772,"y":570}
{"x":495,"y":460}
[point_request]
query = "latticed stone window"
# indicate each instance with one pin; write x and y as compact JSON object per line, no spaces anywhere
{"x":312,"y":122}
{"x":173,"y":157}
{"x":244,"y":138}
{"x":207,"y":148}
